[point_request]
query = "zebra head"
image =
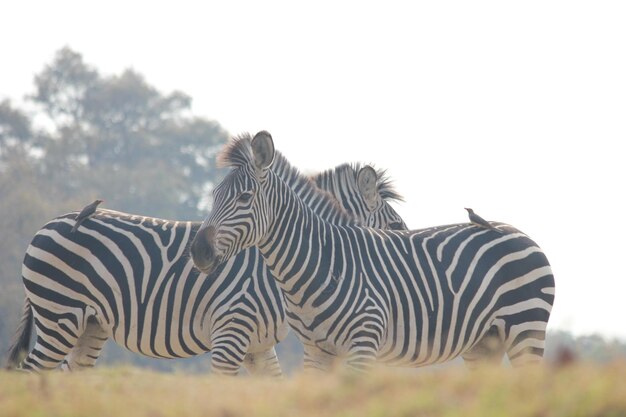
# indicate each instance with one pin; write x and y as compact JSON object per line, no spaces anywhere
{"x":240,"y":216}
{"x":365,"y":193}
{"x":376,"y":192}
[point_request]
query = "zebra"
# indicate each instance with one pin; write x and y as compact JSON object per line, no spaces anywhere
{"x":360,"y":295}
{"x":130,"y":278}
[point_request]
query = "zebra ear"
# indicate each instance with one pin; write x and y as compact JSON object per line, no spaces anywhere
{"x":263,"y":150}
{"x":366,"y":181}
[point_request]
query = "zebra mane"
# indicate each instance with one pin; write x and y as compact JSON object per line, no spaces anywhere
{"x":288,"y":173}
{"x":348,"y":173}
{"x":328,"y":206}
{"x":237,"y":152}
{"x":386,"y":189}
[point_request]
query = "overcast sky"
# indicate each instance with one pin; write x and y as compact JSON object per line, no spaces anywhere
{"x":517,"y":109}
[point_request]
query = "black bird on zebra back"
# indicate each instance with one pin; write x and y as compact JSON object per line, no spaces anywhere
{"x":479,"y":221}
{"x":85,"y":213}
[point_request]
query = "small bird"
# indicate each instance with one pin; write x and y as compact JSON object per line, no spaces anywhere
{"x":479,"y":221}
{"x":86,"y":212}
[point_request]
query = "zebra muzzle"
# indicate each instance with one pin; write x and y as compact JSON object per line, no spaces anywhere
{"x":203,"y":251}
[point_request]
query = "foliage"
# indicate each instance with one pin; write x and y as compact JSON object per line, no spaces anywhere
{"x":581,"y":390}
{"x":120,"y":137}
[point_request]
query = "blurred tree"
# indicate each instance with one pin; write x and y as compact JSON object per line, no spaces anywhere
{"x":15,"y":131}
{"x":121,"y":139}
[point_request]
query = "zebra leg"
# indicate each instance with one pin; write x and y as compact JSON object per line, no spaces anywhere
{"x":263,"y":363}
{"x":366,"y":334}
{"x":488,"y":350}
{"x":226,"y":359}
{"x":525,"y":343}
{"x":46,"y":354}
{"x":316,"y":360}
{"x":88,"y":347}
{"x":229,"y":348}
{"x":57,"y":334}
{"x":364,"y":351}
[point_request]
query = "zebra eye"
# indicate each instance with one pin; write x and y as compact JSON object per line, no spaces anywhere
{"x":245,"y":197}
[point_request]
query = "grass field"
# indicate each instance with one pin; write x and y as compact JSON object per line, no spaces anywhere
{"x":580,"y":390}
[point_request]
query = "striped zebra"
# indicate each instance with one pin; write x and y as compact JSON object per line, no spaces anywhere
{"x":130,"y":278}
{"x":362,"y":295}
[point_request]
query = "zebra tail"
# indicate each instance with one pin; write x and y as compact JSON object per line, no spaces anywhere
{"x":21,"y":340}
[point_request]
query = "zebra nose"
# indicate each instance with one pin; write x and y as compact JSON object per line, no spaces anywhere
{"x":202,"y":250}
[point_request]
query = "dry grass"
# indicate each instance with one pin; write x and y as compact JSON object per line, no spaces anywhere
{"x":581,"y":390}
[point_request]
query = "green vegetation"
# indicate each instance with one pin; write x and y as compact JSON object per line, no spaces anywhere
{"x":580,"y":390}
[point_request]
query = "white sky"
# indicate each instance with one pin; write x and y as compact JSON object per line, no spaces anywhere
{"x":516,"y":109}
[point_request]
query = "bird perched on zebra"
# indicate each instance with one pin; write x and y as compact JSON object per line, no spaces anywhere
{"x":479,"y":221}
{"x":85,"y":213}
{"x":362,"y":295}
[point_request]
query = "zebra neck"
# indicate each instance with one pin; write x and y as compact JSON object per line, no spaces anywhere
{"x":294,"y":243}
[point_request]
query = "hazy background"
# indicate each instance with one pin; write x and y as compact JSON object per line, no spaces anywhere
{"x":515,"y":109}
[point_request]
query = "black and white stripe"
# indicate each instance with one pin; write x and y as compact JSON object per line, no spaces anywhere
{"x":130,"y":278}
{"x":365,"y":295}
